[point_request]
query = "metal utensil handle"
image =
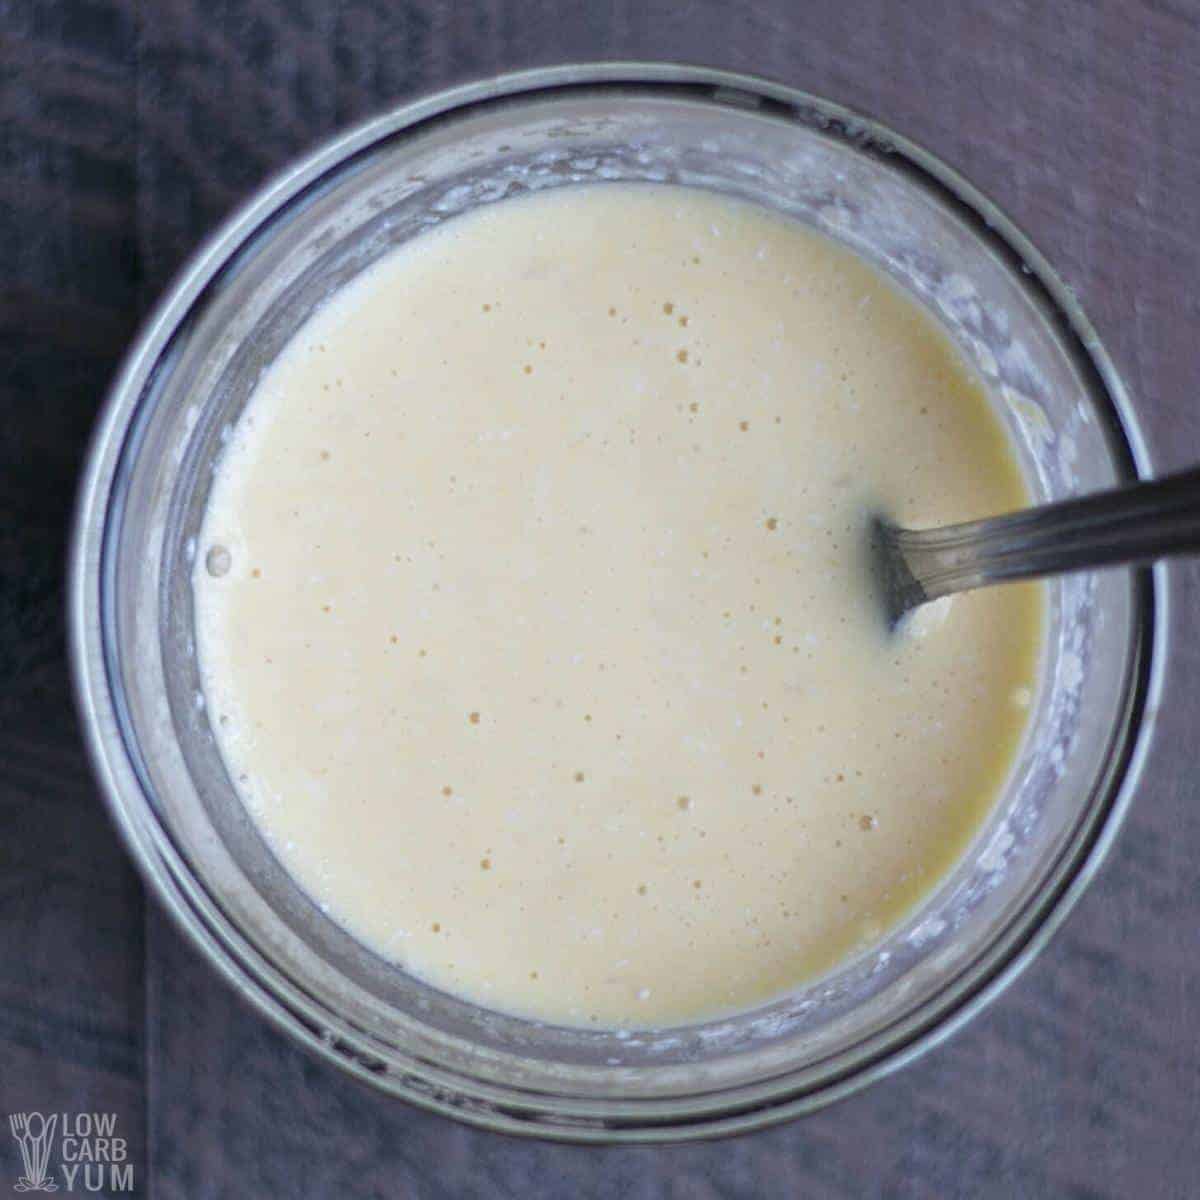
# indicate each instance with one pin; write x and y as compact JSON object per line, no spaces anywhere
{"x":1134,"y":524}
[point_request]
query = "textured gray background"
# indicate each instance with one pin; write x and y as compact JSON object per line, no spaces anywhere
{"x":127,"y":130}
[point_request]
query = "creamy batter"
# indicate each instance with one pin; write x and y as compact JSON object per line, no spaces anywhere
{"x":533,"y":620}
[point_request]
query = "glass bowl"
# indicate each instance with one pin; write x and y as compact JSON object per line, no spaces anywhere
{"x":195,"y":364}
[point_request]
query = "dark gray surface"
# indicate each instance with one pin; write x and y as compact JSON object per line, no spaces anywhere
{"x":126,"y":131}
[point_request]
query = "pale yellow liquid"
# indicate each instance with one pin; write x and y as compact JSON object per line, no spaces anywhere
{"x":545,"y":658}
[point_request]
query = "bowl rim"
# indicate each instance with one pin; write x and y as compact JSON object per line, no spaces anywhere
{"x":97,"y":698}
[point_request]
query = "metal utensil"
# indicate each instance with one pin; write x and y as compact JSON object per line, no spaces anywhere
{"x":1127,"y":525}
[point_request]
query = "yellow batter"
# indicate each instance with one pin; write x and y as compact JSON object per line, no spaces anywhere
{"x":531,"y":605}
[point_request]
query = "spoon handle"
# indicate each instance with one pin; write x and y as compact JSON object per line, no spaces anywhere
{"x":1134,"y":524}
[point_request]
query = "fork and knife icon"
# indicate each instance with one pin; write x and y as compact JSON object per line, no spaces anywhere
{"x":34,"y":1134}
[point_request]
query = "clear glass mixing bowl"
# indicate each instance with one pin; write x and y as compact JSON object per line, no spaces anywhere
{"x":193,"y":368}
